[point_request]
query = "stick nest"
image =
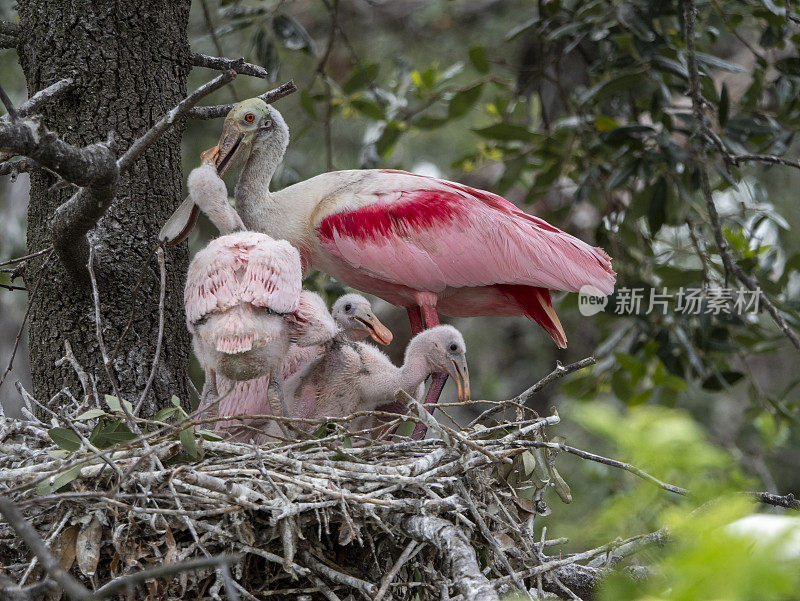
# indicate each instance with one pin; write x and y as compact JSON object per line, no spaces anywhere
{"x":329,"y":517}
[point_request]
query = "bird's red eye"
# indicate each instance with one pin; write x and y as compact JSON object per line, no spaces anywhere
{"x":249,"y":118}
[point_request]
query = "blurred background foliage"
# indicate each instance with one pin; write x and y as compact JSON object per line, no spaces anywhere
{"x":578,"y":112}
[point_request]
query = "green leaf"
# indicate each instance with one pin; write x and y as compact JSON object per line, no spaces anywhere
{"x":209,"y":435}
{"x":405,"y":429}
{"x":175,"y":400}
{"x":360,"y":78}
{"x":668,"y":65}
{"x":603,"y":123}
{"x":109,"y":432}
{"x":391,"y":134}
{"x":164,"y":414}
{"x":505,"y":131}
{"x":307,"y":102}
{"x":91,"y":414}
{"x":370,"y":109}
{"x":66,"y":439}
{"x":717,"y":63}
{"x":611,"y":86}
{"x":477,"y":56}
{"x":724,"y":105}
{"x":113,"y":404}
{"x":291,"y":33}
{"x":424,"y":122}
{"x":51,"y":485}
{"x":189,"y":443}
{"x":463,"y":100}
{"x":657,"y":207}
{"x":58,"y":453}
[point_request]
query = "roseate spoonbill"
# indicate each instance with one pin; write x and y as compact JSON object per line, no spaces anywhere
{"x":354,"y":376}
{"x":418,"y":242}
{"x":239,"y":289}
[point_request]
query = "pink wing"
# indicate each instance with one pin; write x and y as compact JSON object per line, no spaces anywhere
{"x":243,"y":267}
{"x":443,"y":234}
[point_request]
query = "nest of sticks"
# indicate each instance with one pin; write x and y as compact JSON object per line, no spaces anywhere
{"x":172,"y":512}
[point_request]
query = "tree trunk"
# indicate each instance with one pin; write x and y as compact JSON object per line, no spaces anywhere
{"x":130,"y":60}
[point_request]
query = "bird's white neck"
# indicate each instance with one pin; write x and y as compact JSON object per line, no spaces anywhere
{"x":414,"y":371}
{"x":253,"y":184}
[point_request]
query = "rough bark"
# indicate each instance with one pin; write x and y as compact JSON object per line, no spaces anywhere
{"x":129,"y":62}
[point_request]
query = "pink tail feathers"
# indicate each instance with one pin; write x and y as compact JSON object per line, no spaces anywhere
{"x":536,"y":304}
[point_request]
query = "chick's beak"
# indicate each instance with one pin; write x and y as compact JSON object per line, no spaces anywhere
{"x":229,"y":149}
{"x":377,"y":331}
{"x":457,"y":369}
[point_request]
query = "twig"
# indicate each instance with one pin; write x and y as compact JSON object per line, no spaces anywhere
{"x":365,"y":588}
{"x":220,"y":110}
{"x":162,"y":291}
{"x":31,"y":298}
{"x":690,"y":15}
{"x":606,"y":461}
{"x":223,"y":64}
{"x":388,"y":578}
{"x":788,"y":501}
{"x":26,"y":257}
{"x":762,"y":158}
{"x":12,"y":112}
{"x":74,"y":589}
{"x":98,"y":322}
{"x":559,"y":372}
{"x":131,"y":580}
{"x":212,"y":32}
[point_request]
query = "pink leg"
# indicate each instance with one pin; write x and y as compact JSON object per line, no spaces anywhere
{"x":415,"y":318}
{"x":438,"y":379}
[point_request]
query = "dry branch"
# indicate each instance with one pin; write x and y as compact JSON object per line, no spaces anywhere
{"x":238,"y":65}
{"x":220,"y":110}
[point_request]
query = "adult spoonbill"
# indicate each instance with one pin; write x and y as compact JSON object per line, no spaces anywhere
{"x":418,"y":242}
{"x":354,"y":376}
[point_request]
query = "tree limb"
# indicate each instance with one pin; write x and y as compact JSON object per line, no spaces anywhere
{"x":9,"y":28}
{"x":92,"y":165}
{"x":220,"y":110}
{"x":454,"y":545}
{"x":238,"y":65}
